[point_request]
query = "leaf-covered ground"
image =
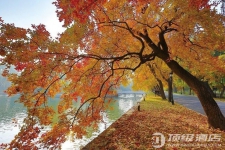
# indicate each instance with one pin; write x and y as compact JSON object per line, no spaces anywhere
{"x":134,"y":130}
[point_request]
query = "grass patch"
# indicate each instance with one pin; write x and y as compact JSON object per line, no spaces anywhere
{"x":135,"y":131}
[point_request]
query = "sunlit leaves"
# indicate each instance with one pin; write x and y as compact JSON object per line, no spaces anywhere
{"x":10,"y":32}
{"x":45,"y":113}
{"x":73,"y":10}
{"x":64,"y":104}
{"x":144,"y":79}
{"x":14,"y":89}
{"x":39,"y":37}
{"x":20,"y":66}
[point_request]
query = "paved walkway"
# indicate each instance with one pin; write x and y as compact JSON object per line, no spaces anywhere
{"x":192,"y":102}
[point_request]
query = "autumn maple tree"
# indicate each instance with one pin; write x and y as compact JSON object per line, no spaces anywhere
{"x":105,"y":44}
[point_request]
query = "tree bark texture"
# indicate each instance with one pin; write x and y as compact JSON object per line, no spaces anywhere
{"x":210,"y":90}
{"x":161,"y":89}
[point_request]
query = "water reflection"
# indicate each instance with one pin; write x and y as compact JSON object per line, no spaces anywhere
{"x":12,"y":115}
{"x":11,"y":118}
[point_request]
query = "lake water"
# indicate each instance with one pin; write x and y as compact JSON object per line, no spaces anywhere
{"x":12,"y":115}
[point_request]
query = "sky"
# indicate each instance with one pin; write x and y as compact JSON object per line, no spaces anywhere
{"x":23,"y":13}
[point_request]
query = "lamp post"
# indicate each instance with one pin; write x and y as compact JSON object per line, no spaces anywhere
{"x":171,"y":88}
{"x":139,"y":107}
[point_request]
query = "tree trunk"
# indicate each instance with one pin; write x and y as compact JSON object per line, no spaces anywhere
{"x":210,"y":90}
{"x":215,"y":116}
{"x":183,"y":90}
{"x":161,"y":89}
{"x":222,"y":92}
{"x":169,"y":90}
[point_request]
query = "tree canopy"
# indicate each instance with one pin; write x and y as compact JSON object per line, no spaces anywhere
{"x":105,"y":43}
